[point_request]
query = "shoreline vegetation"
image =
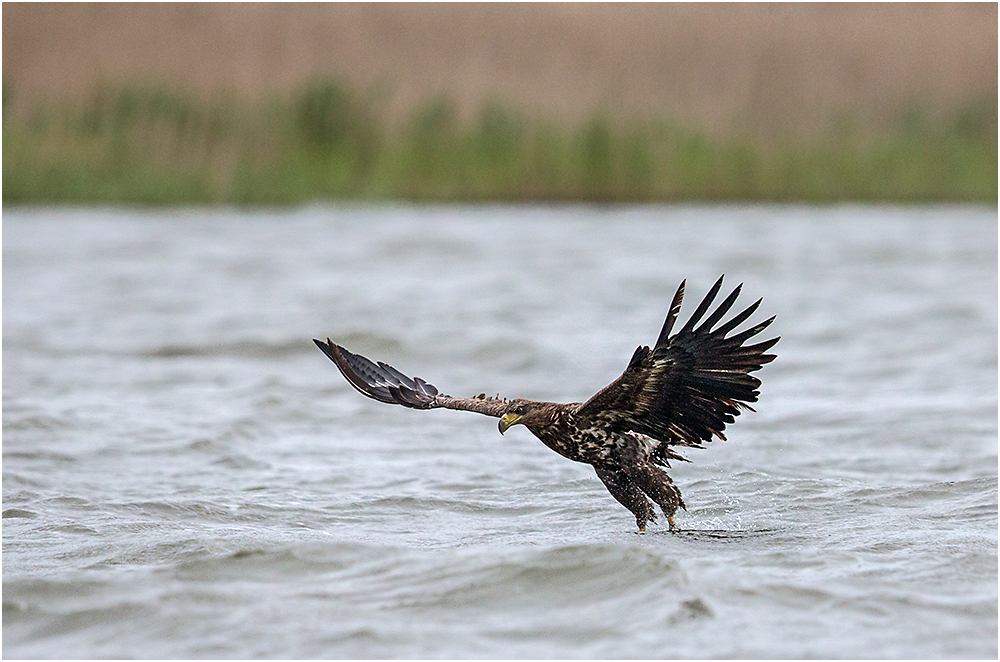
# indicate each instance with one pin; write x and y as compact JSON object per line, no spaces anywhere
{"x":150,"y":145}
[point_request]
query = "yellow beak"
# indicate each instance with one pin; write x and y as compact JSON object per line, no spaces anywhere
{"x":507,"y":421}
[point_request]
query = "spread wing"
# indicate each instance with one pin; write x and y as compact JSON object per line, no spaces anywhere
{"x":691,"y":384}
{"x":386,"y":384}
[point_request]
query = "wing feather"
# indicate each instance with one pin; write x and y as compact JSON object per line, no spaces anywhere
{"x":675,"y":309}
{"x":702,"y":307}
{"x":380,"y":381}
{"x":692,"y":384}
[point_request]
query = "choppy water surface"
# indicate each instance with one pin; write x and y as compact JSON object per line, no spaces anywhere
{"x":186,"y":475}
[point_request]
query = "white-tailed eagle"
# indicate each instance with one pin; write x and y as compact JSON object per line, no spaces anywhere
{"x":682,"y":392}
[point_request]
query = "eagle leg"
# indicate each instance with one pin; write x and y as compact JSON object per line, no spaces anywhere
{"x":652,"y":480}
{"x":627,"y":494}
{"x":657,"y":485}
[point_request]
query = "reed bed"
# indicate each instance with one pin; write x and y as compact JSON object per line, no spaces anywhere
{"x":149,"y":145}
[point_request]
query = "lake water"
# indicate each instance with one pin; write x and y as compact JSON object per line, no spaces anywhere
{"x":186,"y":475}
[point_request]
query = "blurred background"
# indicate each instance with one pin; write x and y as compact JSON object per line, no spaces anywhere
{"x":282,"y":103}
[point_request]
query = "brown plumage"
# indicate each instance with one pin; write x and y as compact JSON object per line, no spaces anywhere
{"x":682,"y":392}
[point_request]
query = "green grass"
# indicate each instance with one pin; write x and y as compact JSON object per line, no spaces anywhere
{"x":152,"y":146}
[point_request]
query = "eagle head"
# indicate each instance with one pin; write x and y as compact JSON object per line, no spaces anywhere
{"x":518,"y":411}
{"x":528,"y":413}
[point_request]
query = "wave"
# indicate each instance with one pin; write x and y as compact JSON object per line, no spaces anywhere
{"x":241,"y":348}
